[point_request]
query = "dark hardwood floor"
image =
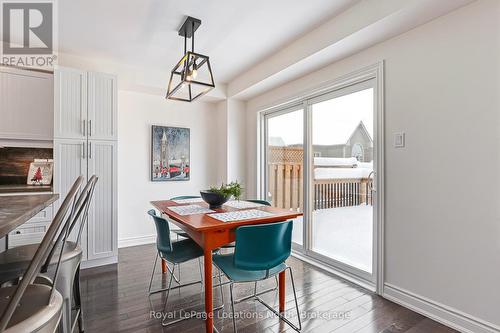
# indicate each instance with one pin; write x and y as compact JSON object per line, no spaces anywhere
{"x":115,"y":300}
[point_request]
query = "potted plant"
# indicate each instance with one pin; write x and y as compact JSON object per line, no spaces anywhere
{"x":215,"y":197}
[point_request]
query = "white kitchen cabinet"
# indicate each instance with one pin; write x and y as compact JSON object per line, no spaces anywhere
{"x":102,"y":224}
{"x":70,"y":104}
{"x":89,"y":149}
{"x":32,"y":231}
{"x":101,"y":106}
{"x":26,"y":104}
{"x":70,"y":161}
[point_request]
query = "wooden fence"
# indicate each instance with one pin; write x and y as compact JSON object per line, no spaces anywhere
{"x":285,"y":187}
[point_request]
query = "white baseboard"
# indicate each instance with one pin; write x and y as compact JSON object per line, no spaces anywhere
{"x":134,"y":241}
{"x":99,"y":262}
{"x":444,"y":314}
{"x":339,"y":273}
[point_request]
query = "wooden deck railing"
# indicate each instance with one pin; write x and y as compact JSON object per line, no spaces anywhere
{"x":332,"y":193}
{"x":285,"y":187}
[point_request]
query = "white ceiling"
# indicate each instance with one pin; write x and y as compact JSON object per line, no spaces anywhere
{"x":143,"y":33}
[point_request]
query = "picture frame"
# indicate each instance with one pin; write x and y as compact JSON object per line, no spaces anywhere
{"x":170,"y":153}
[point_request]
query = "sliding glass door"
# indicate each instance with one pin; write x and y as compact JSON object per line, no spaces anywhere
{"x":284,"y":164}
{"x":341,"y":223}
{"x":319,"y":159}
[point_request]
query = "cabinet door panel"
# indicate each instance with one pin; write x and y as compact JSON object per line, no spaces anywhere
{"x":70,"y":104}
{"x":70,"y":161}
{"x":26,"y":104}
{"x":102,"y":223}
{"x":101,"y":106}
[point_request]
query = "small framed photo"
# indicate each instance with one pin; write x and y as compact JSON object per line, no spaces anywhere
{"x":40,"y":172}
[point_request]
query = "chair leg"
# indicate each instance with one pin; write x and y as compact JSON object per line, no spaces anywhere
{"x":78,"y":300}
{"x":282,"y":316}
{"x":232,"y":306}
{"x":255,"y":293}
{"x":295,"y":297}
{"x":172,"y":276}
{"x":220,"y":286}
{"x":166,"y":297}
{"x":153,"y":272}
{"x":201,"y":270}
{"x":176,"y":279}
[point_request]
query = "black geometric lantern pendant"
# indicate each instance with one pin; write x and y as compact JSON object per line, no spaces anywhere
{"x":192,"y":76}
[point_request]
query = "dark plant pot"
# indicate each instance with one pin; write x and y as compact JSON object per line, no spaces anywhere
{"x":214,"y":200}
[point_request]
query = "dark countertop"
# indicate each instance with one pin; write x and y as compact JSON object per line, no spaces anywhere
{"x":18,"y":209}
{"x":25,"y":188}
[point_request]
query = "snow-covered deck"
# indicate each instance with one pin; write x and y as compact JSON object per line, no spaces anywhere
{"x":344,"y":234}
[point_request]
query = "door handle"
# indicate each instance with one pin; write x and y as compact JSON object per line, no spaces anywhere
{"x":83,"y":150}
{"x":90,"y":127}
{"x":374,"y":182}
{"x":90,"y":150}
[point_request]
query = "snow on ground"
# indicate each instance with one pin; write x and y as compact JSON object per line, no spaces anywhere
{"x":341,"y":173}
{"x":344,"y":234}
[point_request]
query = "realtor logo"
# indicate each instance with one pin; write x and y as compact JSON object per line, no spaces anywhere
{"x":27,"y":28}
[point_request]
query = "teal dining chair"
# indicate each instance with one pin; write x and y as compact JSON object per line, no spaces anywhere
{"x":250,"y":263}
{"x":255,"y":293}
{"x":175,"y":253}
{"x":177,"y":231}
{"x":181,"y":233}
{"x":257,"y":201}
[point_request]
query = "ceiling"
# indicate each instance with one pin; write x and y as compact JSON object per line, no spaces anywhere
{"x":143,"y":33}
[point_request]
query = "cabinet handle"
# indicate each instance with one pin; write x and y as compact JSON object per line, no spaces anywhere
{"x":83,"y":127}
{"x":90,"y":150}
{"x":83,"y":150}
{"x":90,"y":127}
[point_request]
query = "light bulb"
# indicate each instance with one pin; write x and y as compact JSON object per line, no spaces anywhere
{"x":194,"y":74}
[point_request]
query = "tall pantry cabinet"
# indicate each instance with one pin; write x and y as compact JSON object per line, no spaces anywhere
{"x":85,"y":143}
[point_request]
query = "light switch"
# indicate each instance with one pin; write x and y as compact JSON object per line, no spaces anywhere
{"x":399,"y":140}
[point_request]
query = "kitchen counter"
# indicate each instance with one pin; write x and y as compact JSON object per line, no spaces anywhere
{"x":18,"y":209}
{"x":24,"y":188}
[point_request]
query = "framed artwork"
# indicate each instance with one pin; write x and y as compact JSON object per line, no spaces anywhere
{"x":170,"y":153}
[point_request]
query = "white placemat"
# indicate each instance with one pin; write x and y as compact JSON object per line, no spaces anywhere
{"x":241,"y":215}
{"x":191,"y":200}
{"x":242,"y":204}
{"x":190,"y":210}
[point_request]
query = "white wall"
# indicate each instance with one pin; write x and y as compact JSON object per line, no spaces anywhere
{"x":231,"y":138}
{"x":236,"y":143}
{"x":442,"y":86}
{"x":136,"y":113}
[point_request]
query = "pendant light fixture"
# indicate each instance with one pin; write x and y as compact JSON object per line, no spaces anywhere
{"x":192,"y":76}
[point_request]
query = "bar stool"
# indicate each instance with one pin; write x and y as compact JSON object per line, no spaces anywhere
{"x":29,"y":307}
{"x":15,"y":260}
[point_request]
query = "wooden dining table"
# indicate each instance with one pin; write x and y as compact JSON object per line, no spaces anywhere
{"x":210,"y":234}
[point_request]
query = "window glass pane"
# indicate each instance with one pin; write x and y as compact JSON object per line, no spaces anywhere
{"x":342,"y":219}
{"x":285,"y":156}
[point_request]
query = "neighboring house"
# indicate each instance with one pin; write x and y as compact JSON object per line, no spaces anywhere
{"x":359,"y":145}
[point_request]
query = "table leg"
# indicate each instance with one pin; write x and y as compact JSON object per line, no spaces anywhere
{"x":208,"y":292}
{"x":163,"y":266}
{"x":282,"y":291}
